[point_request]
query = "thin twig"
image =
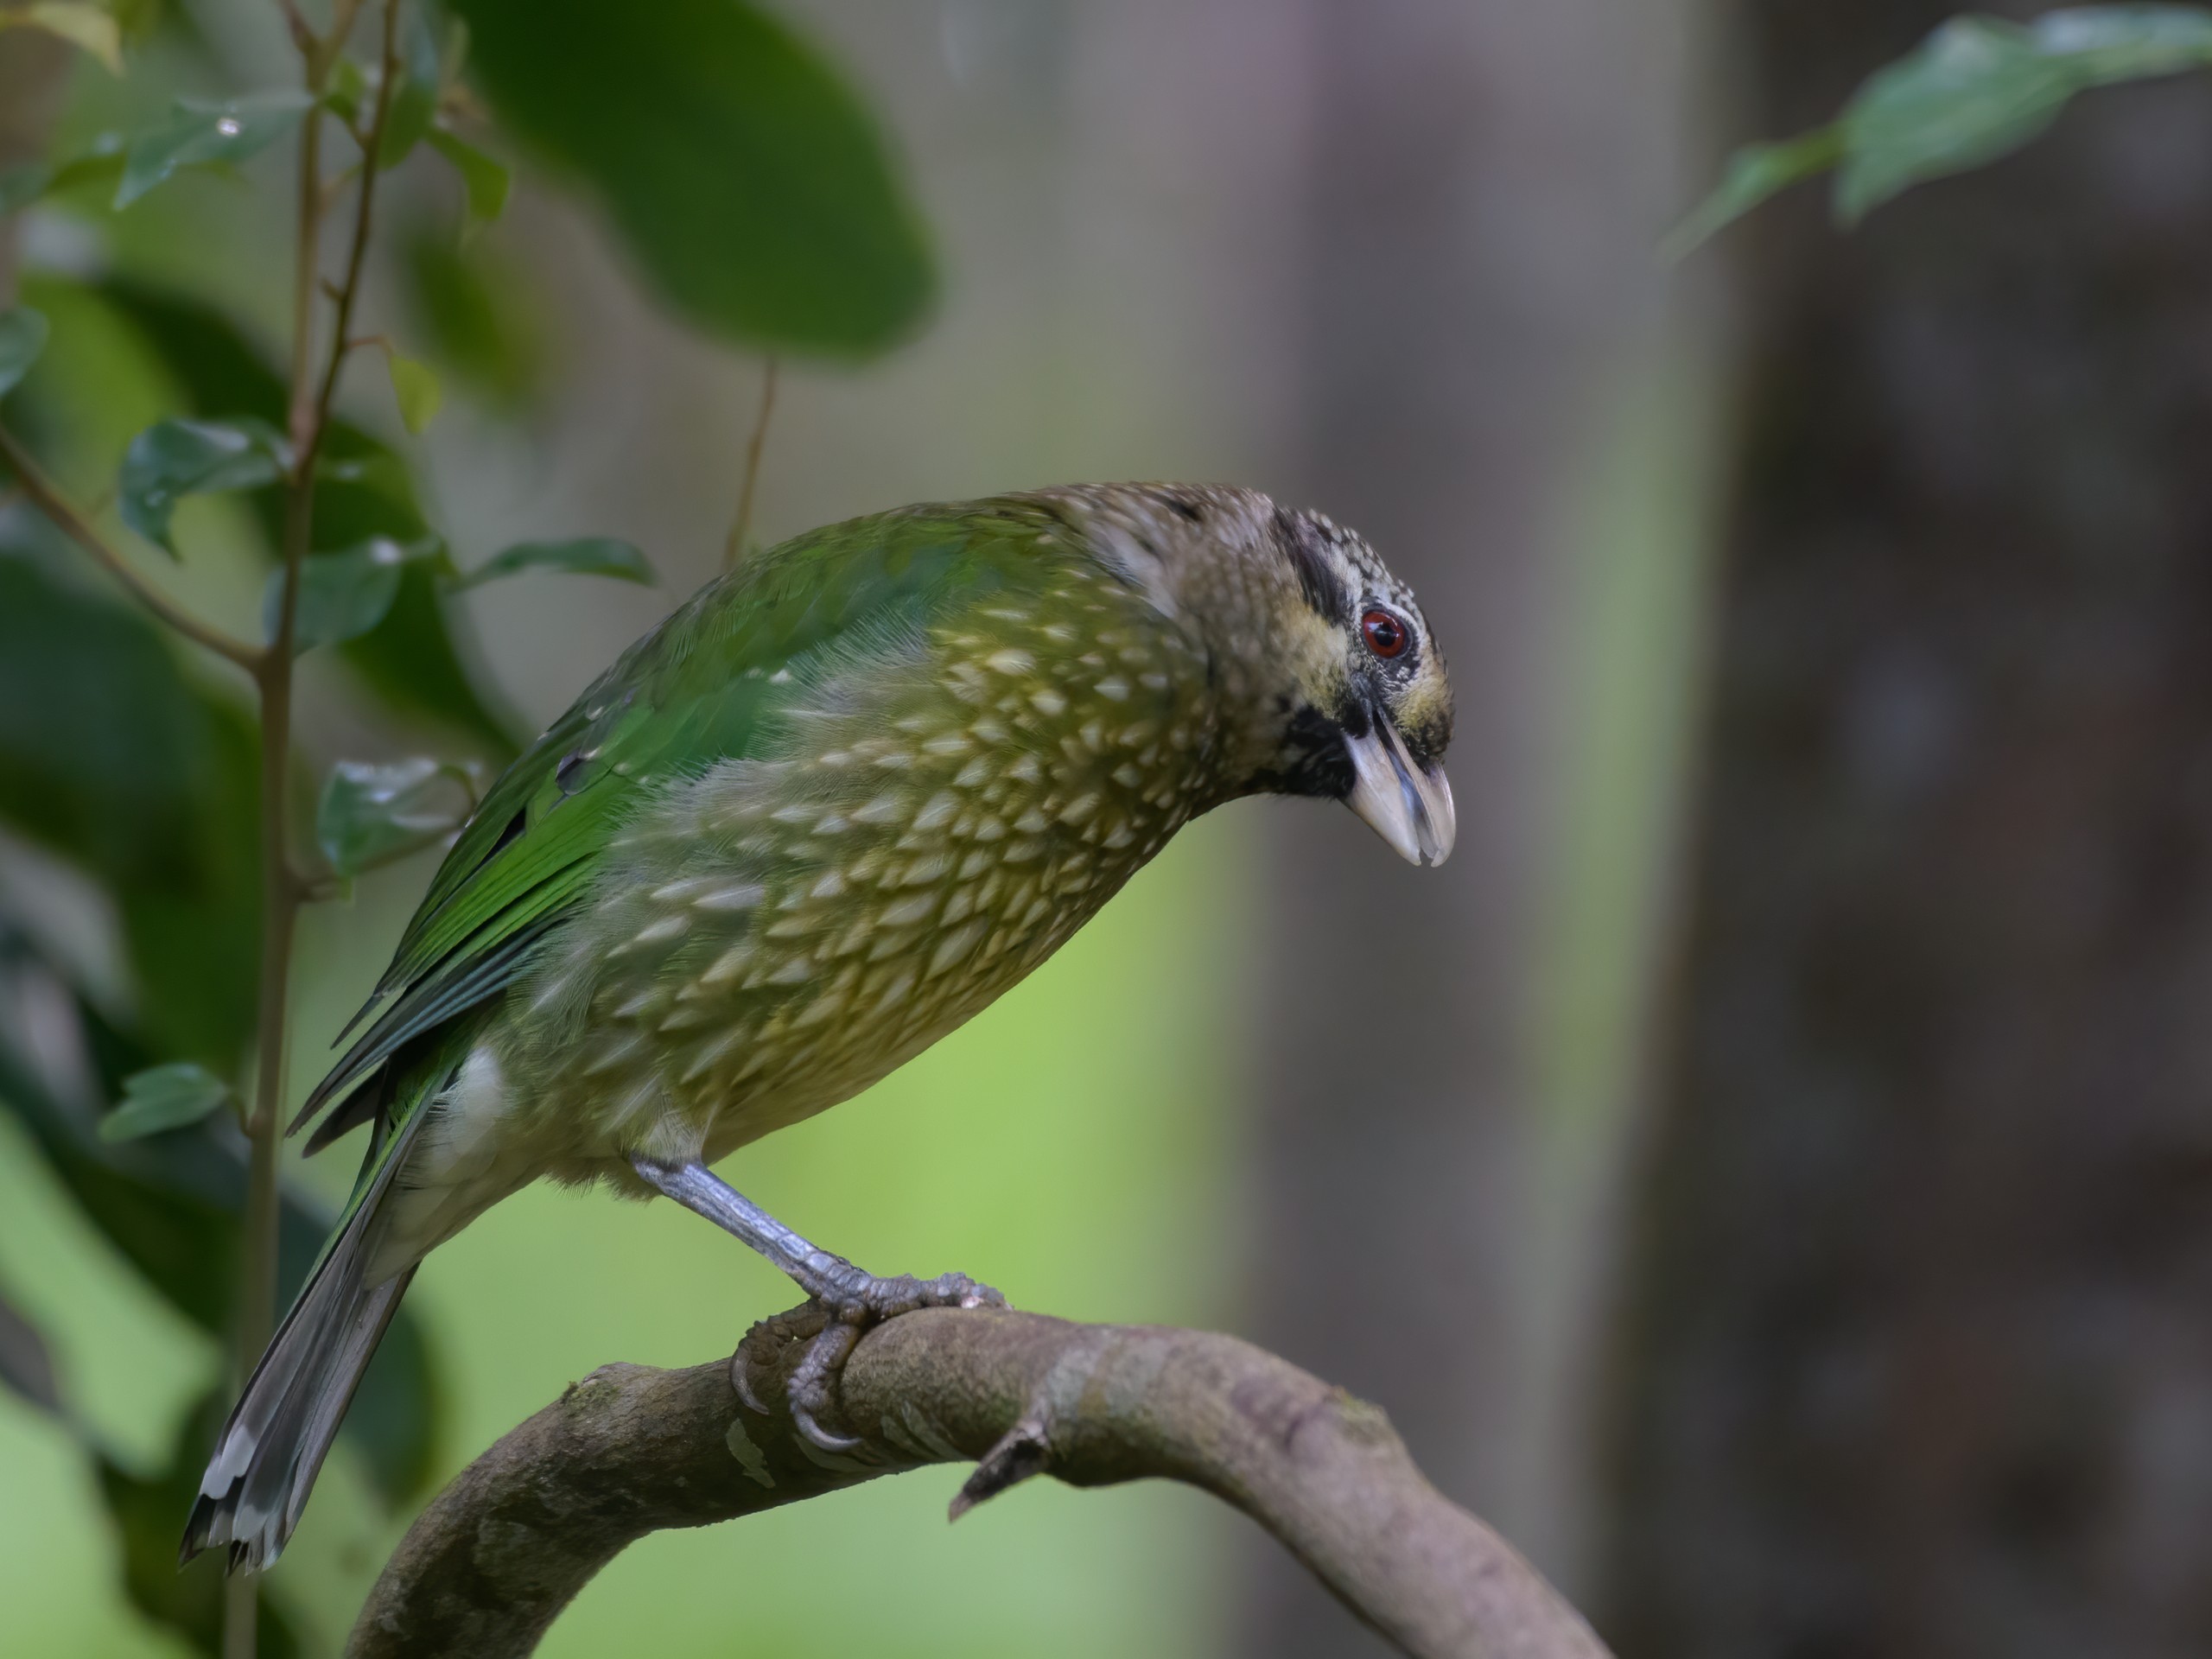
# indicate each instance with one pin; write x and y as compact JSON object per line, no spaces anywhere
{"x":320,"y":63}
{"x":734,"y":549}
{"x":282,"y":887}
{"x":490,"y":1564}
{"x":303,"y":37}
{"x":41,"y":493}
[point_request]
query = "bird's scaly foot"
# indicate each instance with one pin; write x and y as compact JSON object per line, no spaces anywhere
{"x":848,"y":1299}
{"x":852,"y":1300}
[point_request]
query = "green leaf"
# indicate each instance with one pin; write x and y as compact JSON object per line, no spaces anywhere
{"x":589,"y":556}
{"x":416,"y":389}
{"x":476,"y":313}
{"x":173,"y":1096}
{"x":23,"y":337}
{"x":371,"y":814}
{"x":420,"y":662}
{"x":346,"y":91}
{"x":100,"y":162}
{"x":1755,"y":173}
{"x":171,"y":460}
{"x":1977,"y":90}
{"x":749,"y":181}
{"x":200,"y":132}
{"x":407,"y":123}
{"x":89,"y":28}
{"x":111,"y":756}
{"x":485,"y":181}
{"x":2104,"y":44}
{"x":344,"y":594}
{"x":170,"y":1207}
{"x":25,"y":1365}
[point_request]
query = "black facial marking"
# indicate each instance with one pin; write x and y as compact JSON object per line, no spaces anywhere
{"x":1313,"y":759}
{"x":1185,"y":507}
{"x":1317,"y":582}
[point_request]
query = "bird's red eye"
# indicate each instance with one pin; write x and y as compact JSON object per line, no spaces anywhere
{"x":1385,"y":634}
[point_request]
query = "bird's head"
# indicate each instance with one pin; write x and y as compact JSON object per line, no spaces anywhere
{"x":1352,"y":692}
{"x":1332,"y":682}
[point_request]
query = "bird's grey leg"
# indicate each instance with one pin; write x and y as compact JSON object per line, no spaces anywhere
{"x":853,"y":1298}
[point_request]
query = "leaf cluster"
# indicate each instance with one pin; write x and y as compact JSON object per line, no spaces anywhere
{"x":753,"y":195}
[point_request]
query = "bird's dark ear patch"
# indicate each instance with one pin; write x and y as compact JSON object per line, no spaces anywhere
{"x":1183,"y":507}
{"x":1317,"y":582}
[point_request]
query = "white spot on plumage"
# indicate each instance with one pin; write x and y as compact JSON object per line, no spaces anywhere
{"x":613,"y":1055}
{"x":679,"y":891}
{"x":728,"y":965}
{"x":704,"y":1057}
{"x":954,"y":947}
{"x":744,"y":896}
{"x":907,"y":912}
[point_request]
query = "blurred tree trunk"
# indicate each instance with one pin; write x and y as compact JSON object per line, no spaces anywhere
{"x":1921,"y":1351}
{"x":1478,"y":301}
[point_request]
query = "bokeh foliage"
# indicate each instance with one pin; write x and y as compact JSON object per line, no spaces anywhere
{"x":1974,"y":91}
{"x":752,"y":191}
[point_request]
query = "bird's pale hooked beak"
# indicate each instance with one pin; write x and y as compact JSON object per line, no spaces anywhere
{"x":1408,"y":804}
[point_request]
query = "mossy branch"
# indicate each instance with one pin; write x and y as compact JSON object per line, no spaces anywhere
{"x":631,"y":1449}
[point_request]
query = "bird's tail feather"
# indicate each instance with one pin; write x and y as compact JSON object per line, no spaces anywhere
{"x":273,"y":1442}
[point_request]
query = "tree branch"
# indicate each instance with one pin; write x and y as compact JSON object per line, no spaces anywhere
{"x":42,"y":493}
{"x":628,"y":1450}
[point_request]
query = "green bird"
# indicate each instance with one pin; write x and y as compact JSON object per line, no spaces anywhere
{"x":835,"y":804}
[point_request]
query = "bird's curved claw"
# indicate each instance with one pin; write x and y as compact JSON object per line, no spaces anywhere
{"x":850,"y":1311}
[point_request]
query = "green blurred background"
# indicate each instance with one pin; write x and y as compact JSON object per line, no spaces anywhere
{"x":1762,"y":1172}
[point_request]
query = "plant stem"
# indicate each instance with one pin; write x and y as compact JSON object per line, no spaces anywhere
{"x":281,"y":887}
{"x":734,"y":550}
{"x":42,"y":493}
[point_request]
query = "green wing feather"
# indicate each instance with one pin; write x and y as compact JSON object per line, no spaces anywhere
{"x":683,"y":698}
